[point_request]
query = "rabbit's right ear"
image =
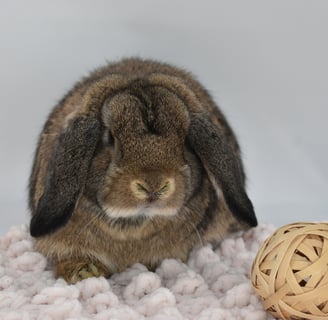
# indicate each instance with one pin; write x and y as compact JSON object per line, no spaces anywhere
{"x":66,"y":174}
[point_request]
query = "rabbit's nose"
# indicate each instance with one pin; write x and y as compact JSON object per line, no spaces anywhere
{"x":144,"y":191}
{"x":152,"y":197}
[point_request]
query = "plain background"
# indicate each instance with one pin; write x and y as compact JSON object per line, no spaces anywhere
{"x":265,"y":63}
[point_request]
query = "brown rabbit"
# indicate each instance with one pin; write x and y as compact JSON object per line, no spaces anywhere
{"x":135,"y":164}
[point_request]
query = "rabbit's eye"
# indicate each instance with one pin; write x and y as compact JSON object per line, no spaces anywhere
{"x":110,"y":139}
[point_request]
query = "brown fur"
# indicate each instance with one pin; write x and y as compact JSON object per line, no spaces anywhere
{"x":134,"y":134}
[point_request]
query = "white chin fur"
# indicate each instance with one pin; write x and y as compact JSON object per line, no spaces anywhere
{"x":146,"y":212}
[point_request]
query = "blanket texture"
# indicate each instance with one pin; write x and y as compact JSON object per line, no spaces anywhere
{"x":214,"y":284}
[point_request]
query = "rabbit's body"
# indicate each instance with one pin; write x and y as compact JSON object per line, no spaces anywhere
{"x":135,"y":164}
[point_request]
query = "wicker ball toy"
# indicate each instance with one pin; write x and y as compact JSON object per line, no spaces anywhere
{"x":290,"y":272}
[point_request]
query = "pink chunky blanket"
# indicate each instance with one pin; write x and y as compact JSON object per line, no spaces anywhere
{"x":214,"y":284}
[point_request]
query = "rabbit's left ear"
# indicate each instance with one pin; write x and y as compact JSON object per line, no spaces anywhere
{"x":66,"y":175}
{"x":222,"y":164}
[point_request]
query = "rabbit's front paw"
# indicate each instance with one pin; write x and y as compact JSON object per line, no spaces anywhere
{"x":76,"y":271}
{"x":88,"y":271}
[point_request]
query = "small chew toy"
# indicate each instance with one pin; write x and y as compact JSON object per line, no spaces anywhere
{"x":290,"y":272}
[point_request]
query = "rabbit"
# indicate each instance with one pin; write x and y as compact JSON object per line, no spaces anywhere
{"x":135,"y":164}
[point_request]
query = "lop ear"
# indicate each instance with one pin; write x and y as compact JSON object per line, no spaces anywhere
{"x":222,"y":165}
{"x":66,"y":174}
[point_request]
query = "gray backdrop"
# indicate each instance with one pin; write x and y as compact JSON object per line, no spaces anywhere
{"x":265,"y":63}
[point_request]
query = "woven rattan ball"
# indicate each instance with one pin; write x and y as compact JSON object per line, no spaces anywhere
{"x":290,"y":272}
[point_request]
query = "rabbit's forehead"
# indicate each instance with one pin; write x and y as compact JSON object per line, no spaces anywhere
{"x":146,"y":111}
{"x":152,"y":152}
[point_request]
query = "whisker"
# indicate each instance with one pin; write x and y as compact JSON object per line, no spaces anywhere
{"x":198,"y":234}
{"x":94,"y":218}
{"x":194,"y":228}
